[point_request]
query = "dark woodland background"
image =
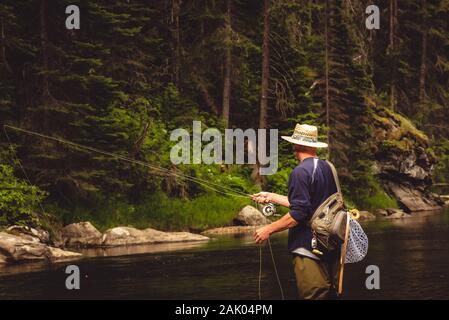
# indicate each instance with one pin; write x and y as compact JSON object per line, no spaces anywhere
{"x":138,"y":69}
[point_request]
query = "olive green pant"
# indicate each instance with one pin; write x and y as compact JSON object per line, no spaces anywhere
{"x":316,"y":280}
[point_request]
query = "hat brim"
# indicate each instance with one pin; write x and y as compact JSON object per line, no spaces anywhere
{"x":305,"y":143}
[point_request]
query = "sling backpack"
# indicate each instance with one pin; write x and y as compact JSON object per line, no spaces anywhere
{"x":328,"y":222}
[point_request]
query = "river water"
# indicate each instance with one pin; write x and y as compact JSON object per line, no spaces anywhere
{"x":412,"y":255}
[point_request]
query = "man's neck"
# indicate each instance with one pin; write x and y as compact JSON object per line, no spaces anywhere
{"x":304,"y":156}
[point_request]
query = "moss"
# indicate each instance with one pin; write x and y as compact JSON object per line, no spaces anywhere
{"x":398,"y":127}
{"x":406,"y":128}
{"x":431,"y":153}
{"x":371,"y":196}
{"x":382,"y":120}
{"x":379,"y":200}
{"x":401,"y":145}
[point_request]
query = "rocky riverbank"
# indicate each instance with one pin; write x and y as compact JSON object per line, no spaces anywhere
{"x":28,"y":244}
{"x":84,"y":234}
{"x":19,"y":243}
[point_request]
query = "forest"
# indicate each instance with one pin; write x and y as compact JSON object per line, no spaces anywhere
{"x":138,"y":69}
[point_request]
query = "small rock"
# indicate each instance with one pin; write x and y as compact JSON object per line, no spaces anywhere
{"x":2,"y":259}
{"x":29,"y":233}
{"x":399,"y":215}
{"x":381,"y":212}
{"x":60,"y":255}
{"x":366,"y":215}
{"x":250,"y":216}
{"x":81,"y":234}
{"x":393,"y":211}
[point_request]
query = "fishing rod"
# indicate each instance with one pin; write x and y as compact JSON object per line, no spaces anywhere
{"x":208,"y":184}
{"x":267,"y":209}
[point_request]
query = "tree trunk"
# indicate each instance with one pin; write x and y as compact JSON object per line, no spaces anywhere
{"x":326,"y":76}
{"x":258,"y":179}
{"x":310,"y":18}
{"x":176,"y":35}
{"x":393,"y":13}
{"x":139,"y":142}
{"x":422,"y":69}
{"x":208,"y":98}
{"x":3,"y":47}
{"x":265,"y":67}
{"x":44,"y":52}
{"x":227,"y":66}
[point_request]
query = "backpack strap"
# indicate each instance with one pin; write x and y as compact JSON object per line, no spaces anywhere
{"x":315,"y":164}
{"x":334,"y":173}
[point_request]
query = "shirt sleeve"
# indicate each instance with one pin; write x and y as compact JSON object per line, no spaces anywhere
{"x":298,"y":195}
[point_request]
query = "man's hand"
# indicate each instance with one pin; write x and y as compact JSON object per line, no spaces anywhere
{"x":262,"y":234}
{"x":282,"y":224}
{"x":262,"y":197}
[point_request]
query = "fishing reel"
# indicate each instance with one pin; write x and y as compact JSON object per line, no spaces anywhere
{"x":355,"y":214}
{"x":268,"y":209}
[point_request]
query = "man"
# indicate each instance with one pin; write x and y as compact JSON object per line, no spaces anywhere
{"x":309,"y":185}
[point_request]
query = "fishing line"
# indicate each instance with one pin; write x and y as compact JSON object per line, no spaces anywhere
{"x":210,"y":185}
{"x":260,"y":271}
{"x":20,"y":166}
{"x":275,"y":270}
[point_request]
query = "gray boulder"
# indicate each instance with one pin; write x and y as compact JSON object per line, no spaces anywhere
{"x":32,"y":234}
{"x":122,"y":236}
{"x":232,"y":230}
{"x":250,"y":216}
{"x":413,"y":199}
{"x":14,"y":248}
{"x":81,"y":234}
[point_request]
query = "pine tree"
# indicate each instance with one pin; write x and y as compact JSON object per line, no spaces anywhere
{"x":348,"y":112}
{"x":7,"y":28}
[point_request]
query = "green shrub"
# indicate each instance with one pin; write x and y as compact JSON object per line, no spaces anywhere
{"x":158,"y":211}
{"x":278,"y":182}
{"x":371,"y":196}
{"x":18,"y":200}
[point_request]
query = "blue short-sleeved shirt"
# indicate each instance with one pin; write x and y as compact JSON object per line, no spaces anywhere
{"x":305,"y":197}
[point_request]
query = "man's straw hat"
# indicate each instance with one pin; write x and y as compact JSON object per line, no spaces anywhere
{"x":305,"y":135}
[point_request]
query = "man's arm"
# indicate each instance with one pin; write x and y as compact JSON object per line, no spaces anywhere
{"x":300,"y":206}
{"x":265,"y":197}
{"x":286,"y":222}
